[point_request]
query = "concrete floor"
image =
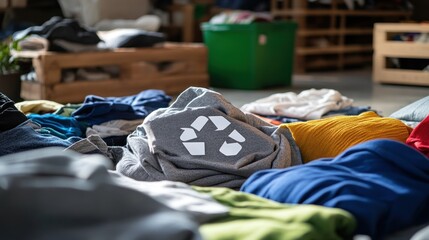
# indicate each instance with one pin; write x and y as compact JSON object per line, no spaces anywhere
{"x":355,"y":84}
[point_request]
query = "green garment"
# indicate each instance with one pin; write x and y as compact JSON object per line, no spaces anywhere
{"x":255,"y":218}
{"x":68,"y":109}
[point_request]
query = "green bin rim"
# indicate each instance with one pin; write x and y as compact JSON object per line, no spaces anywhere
{"x":206,"y":26}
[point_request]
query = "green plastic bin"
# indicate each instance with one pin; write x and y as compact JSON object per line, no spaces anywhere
{"x":250,"y":56}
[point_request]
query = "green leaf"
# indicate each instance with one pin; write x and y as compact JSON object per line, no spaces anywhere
{"x":7,"y":62}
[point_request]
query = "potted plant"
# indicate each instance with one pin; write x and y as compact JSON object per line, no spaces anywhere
{"x":10,"y":83}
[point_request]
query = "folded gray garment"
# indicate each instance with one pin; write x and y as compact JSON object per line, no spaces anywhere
{"x":178,"y":196}
{"x":414,"y":112}
{"x":56,"y":194}
{"x":422,"y":234}
{"x":79,"y":47}
{"x":34,"y":43}
{"x":203,"y":140}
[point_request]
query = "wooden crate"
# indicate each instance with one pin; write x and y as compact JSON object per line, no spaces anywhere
{"x":186,"y":66}
{"x":385,"y":48}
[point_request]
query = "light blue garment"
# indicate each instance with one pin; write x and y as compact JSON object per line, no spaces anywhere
{"x":413,"y":113}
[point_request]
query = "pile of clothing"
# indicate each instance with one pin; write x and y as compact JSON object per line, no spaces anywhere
{"x":216,"y":170}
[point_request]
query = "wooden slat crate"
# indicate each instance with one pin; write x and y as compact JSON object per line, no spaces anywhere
{"x":187,"y":66}
{"x":385,"y":47}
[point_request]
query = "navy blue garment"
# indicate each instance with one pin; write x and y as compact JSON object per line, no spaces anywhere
{"x":383,"y":183}
{"x":349,"y":111}
{"x":63,"y":29}
{"x":116,"y":140}
{"x":252,"y":5}
{"x":97,"y":110}
{"x":283,"y":119}
{"x":60,"y":126}
{"x":26,"y":137}
{"x":10,"y":116}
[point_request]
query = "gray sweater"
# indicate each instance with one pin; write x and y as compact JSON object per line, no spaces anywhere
{"x":203,"y":140}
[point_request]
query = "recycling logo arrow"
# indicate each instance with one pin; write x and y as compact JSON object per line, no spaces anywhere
{"x":198,"y":148}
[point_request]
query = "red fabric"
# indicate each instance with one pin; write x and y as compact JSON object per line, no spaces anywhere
{"x":419,"y":137}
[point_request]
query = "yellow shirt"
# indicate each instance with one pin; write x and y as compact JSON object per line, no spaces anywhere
{"x":330,"y":136}
{"x":38,"y":106}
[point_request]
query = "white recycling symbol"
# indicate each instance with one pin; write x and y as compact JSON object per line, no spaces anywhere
{"x":198,"y":148}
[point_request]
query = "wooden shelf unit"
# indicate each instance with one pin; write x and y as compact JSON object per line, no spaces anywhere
{"x":385,"y":47}
{"x":138,"y":71}
{"x":332,"y":30}
{"x":7,"y":4}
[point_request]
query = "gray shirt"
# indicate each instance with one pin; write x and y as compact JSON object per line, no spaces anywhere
{"x":202,"y":139}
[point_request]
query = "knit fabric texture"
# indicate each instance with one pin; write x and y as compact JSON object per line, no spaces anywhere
{"x":330,"y":136}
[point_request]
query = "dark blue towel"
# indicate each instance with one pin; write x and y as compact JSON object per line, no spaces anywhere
{"x":383,"y":183}
{"x":96,"y":110}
